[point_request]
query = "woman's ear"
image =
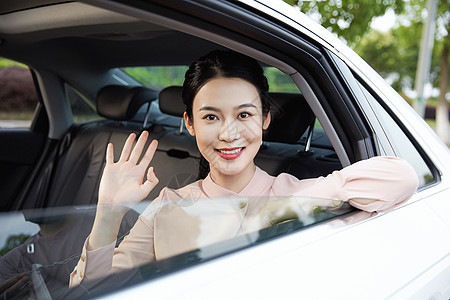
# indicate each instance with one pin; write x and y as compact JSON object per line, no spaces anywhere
{"x":188,"y":124}
{"x":266,"y":121}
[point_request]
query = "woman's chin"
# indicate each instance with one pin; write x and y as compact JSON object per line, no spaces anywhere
{"x":231,"y":168}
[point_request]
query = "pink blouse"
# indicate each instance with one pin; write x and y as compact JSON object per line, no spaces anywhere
{"x":203,"y":213}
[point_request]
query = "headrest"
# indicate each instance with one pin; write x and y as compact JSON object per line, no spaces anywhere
{"x":290,"y":117}
{"x":171,"y":102}
{"x":120,"y":103}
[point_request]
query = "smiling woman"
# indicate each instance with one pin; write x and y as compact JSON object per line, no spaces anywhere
{"x":226,"y":111}
{"x":227,"y":122}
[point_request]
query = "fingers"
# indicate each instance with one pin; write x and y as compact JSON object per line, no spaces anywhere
{"x":148,"y":156}
{"x":15,"y":287}
{"x":110,"y":154}
{"x":13,"y":280}
{"x":151,"y":181}
{"x":133,"y":155}
{"x":127,"y":147}
{"x":137,"y":151}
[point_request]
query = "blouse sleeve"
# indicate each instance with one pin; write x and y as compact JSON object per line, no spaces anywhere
{"x":389,"y":181}
{"x":137,"y":248}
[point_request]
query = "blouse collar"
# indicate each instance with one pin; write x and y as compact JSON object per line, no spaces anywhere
{"x":258,"y":185}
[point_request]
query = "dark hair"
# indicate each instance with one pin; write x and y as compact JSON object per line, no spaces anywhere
{"x":228,"y":64}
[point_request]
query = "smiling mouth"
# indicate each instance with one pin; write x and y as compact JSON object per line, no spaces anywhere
{"x":230,"y":153}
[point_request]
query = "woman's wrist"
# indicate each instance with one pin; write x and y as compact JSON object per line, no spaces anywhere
{"x":106,"y":226}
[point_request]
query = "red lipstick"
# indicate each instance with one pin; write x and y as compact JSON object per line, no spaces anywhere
{"x":230,"y":153}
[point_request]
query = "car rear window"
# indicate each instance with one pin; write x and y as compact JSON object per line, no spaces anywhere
{"x":159,"y":77}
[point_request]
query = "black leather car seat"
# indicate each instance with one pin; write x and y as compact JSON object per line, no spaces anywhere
{"x":72,"y":176}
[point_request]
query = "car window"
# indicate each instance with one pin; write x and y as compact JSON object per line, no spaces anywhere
{"x":18,"y":96}
{"x":83,"y":110}
{"x":46,"y":243}
{"x":279,"y":82}
{"x":157,"y":77}
{"x":160,"y":77}
{"x":399,"y":141}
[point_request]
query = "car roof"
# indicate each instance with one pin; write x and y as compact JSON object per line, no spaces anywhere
{"x":59,"y":28}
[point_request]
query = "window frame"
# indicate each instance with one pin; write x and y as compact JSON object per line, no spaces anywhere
{"x":379,"y":135}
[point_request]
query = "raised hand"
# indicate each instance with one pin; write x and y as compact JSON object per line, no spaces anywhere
{"x":123,"y":181}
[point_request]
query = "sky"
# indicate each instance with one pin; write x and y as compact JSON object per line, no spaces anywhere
{"x":384,"y":23}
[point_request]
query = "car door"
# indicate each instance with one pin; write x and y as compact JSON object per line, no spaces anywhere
{"x":430,"y":204}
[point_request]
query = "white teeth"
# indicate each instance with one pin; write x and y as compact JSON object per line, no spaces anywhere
{"x":234,"y":151}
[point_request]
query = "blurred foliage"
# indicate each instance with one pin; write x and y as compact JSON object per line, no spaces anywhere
{"x":4,"y":62}
{"x":12,"y":242}
{"x":160,"y":77}
{"x":394,"y":53}
{"x":349,"y":19}
{"x":17,"y":90}
{"x":279,"y":82}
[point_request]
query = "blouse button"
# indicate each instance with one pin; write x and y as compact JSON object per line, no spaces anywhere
{"x":317,"y":210}
{"x":83,"y":258}
{"x":336,"y":203}
{"x":242,"y":204}
{"x":81,"y":274}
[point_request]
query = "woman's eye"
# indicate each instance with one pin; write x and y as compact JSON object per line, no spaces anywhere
{"x":244,"y":115}
{"x":210,"y":117}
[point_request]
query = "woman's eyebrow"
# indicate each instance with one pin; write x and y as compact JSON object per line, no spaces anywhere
{"x":212,"y":108}
{"x":209,"y":108}
{"x":245,"y":105}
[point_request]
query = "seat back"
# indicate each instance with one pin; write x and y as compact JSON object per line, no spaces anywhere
{"x":176,"y":161}
{"x":72,"y":177}
{"x":290,"y":118}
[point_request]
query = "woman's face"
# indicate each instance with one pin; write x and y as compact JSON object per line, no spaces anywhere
{"x":227,"y":123}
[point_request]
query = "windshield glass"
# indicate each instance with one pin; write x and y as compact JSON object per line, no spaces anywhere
{"x":41,"y":248}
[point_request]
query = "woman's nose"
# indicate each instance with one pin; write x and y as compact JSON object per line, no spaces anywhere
{"x":229,"y":131}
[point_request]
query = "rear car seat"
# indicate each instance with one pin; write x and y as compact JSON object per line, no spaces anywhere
{"x":71,"y":179}
{"x":76,"y":170}
{"x":176,"y":161}
{"x":286,"y":146}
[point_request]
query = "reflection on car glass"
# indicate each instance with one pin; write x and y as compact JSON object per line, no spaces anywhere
{"x":203,"y":222}
{"x":50,"y":255}
{"x":192,"y":231}
{"x":200,"y":229}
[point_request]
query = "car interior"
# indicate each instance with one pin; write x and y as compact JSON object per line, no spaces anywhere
{"x":80,"y":52}
{"x":66,"y":167}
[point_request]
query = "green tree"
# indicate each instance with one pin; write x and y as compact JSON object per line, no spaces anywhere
{"x":442,"y":109}
{"x":393,"y":54}
{"x":12,"y":242}
{"x":4,"y":63}
{"x":349,"y":19}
